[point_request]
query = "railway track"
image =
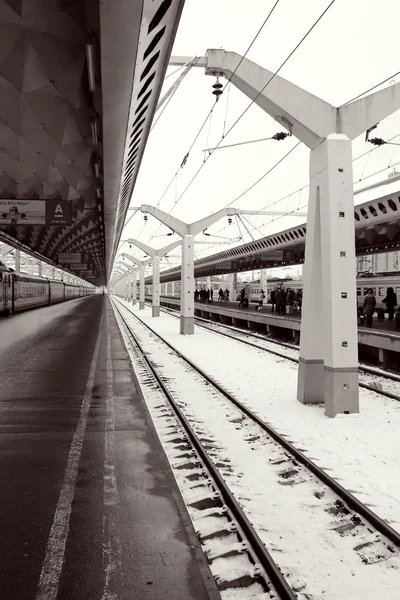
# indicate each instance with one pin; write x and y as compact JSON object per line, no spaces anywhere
{"x":377,"y":379}
{"x":373,"y":541}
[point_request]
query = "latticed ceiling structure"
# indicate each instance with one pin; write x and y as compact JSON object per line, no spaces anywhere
{"x":75,"y":131}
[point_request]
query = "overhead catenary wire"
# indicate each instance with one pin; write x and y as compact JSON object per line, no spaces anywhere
{"x":370,"y":89}
{"x":214,"y":105}
{"x":257,"y":96}
{"x":304,"y":187}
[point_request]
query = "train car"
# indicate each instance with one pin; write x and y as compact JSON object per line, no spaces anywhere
{"x":29,"y":292}
{"x":379,"y":285}
{"x":57,"y":292}
{"x":20,"y":292}
{"x":6,"y":290}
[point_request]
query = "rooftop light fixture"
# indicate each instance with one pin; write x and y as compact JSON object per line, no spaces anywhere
{"x":90,"y":66}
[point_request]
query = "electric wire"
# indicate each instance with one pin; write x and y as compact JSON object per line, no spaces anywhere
{"x":214,"y":105}
{"x":257,"y":96}
{"x":370,"y":89}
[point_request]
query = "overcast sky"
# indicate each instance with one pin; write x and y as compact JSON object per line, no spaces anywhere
{"x":355,"y":46}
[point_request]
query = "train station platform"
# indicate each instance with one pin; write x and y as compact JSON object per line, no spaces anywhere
{"x":89,"y":504}
{"x":379,"y":344}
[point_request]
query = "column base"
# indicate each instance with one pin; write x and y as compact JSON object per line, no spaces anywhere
{"x":310,"y":381}
{"x":155,"y":311}
{"x":141,"y":305}
{"x":187,"y":325}
{"x":341,"y":391}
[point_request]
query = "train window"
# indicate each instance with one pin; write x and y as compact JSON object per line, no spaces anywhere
{"x":381,"y":291}
{"x":398,"y":292}
{"x":358,"y":291}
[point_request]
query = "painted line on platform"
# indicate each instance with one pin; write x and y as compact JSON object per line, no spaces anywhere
{"x":111,"y":542}
{"x":55,"y":551}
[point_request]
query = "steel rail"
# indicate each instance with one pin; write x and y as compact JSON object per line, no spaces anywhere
{"x":263,"y":556}
{"x":355,"y":504}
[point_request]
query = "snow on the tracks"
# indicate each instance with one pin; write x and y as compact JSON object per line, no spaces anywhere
{"x":361,"y":451}
{"x":289,"y":508}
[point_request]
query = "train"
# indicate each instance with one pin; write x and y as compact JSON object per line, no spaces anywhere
{"x":20,"y":292}
{"x":379,"y":285}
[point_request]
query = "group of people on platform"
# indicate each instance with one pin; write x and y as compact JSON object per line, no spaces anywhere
{"x":279,"y":299}
{"x":207,"y":296}
{"x":367,"y":310}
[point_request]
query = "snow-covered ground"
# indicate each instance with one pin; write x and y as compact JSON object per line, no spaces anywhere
{"x":361,"y":451}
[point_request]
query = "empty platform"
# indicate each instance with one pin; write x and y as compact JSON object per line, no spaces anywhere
{"x":89,"y":507}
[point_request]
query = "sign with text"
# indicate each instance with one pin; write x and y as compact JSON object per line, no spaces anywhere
{"x":70,"y":258}
{"x":14,"y":211}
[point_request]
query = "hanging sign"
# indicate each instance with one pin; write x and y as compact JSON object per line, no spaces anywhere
{"x":70,"y":258}
{"x":14,"y":211}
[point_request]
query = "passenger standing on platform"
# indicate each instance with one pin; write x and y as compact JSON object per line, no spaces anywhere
{"x":391,"y":302}
{"x":369,"y":306}
{"x":260,"y":300}
{"x":397,"y":318}
{"x":300,"y":298}
{"x":220,"y":295}
{"x":196,"y":295}
{"x":280,"y":301}
{"x":273,"y":298}
{"x":211,"y":295}
{"x":242,"y":297}
{"x":208,"y":296}
{"x":227,"y":295}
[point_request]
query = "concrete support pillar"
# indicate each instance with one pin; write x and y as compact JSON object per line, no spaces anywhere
{"x":155,"y":308}
{"x":128,"y":278}
{"x":40,"y":267}
{"x":187,"y":286}
{"x":141,"y":287}
{"x":134,"y":288}
{"x":53,"y":273}
{"x":18,"y":261}
{"x":173,"y":288}
{"x":208,"y":283}
{"x":231,"y":286}
{"x":328,"y":367}
{"x":264,"y":280}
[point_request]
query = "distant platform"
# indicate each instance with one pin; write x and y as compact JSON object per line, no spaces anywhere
{"x":379,"y":344}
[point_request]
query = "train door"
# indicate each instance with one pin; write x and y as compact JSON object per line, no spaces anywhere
{"x":2,"y":291}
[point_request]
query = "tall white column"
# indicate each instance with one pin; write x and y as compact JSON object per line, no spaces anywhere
{"x":155,"y":307}
{"x":141,"y":288}
{"x":264,"y":280}
{"x":40,"y":267}
{"x":17,"y":261}
{"x":339,"y":301}
{"x":328,"y":367}
{"x":128,"y":278}
{"x":187,"y":286}
{"x":134,"y":287}
{"x":173,"y":288}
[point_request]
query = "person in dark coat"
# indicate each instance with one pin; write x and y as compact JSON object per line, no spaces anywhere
{"x":242,"y":297}
{"x":369,"y":306}
{"x":273,"y":299}
{"x":280,"y":297}
{"x":391,"y":302}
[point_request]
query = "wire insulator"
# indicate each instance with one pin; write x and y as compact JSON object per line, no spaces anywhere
{"x":377,"y":141}
{"x":281,"y":135}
